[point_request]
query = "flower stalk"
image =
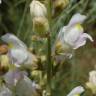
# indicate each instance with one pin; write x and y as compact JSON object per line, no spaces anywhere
{"x":49,"y":63}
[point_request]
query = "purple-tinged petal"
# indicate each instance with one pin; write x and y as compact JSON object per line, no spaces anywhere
{"x":82,"y":40}
{"x":77,"y":90}
{"x":12,"y":39}
{"x":77,"y":18}
{"x":4,"y":91}
{"x":12,"y":77}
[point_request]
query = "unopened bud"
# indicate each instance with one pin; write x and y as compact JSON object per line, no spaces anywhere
{"x":40,"y":25}
{"x":4,"y":63}
{"x":37,"y":9}
{"x":60,"y":4}
{"x":3,"y":49}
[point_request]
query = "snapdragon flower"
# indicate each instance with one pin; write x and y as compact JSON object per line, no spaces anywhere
{"x":72,"y":36}
{"x":92,"y":81}
{"x":18,"y":52}
{"x":76,"y":91}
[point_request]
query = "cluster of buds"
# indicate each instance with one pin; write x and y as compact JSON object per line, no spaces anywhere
{"x":39,"y":12}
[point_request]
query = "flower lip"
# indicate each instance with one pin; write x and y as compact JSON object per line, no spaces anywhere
{"x":76,"y":91}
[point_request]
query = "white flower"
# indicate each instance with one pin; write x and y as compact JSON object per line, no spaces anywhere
{"x":18,"y":52}
{"x":37,"y":9}
{"x":72,"y":34}
{"x":76,"y":91}
{"x":92,"y":81}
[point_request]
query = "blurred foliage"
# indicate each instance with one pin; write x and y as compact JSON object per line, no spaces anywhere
{"x":15,"y":18}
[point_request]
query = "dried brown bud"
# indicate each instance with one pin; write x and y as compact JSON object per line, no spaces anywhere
{"x":3,"y":49}
{"x":60,"y":4}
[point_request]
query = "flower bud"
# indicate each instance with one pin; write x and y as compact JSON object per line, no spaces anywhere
{"x":60,"y":4}
{"x":4,"y":60}
{"x":37,"y":9}
{"x":4,"y":63}
{"x":40,"y":25}
{"x":3,"y":49}
{"x":36,"y":74}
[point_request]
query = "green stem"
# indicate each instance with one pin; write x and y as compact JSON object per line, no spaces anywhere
{"x":49,"y":64}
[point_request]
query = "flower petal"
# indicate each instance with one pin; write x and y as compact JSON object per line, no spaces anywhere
{"x":85,"y":35}
{"x":31,"y":61}
{"x":77,"y":18}
{"x":18,"y":56}
{"x":76,"y":90}
{"x":13,"y":76}
{"x":4,"y":91}
{"x":12,"y":39}
{"x":61,"y":33}
{"x":25,"y":87}
{"x":82,"y":40}
{"x":72,"y":35}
